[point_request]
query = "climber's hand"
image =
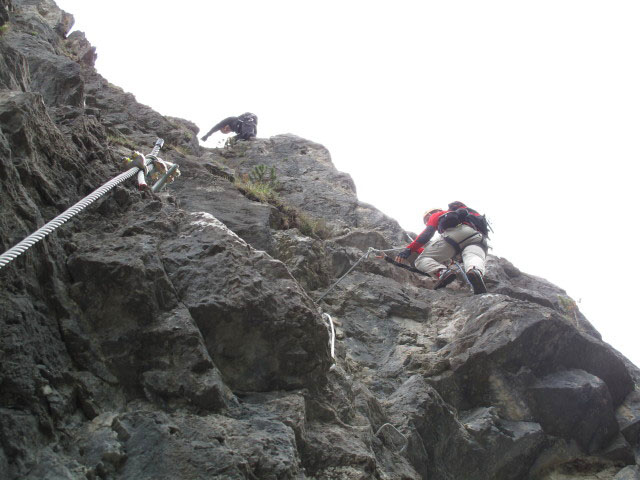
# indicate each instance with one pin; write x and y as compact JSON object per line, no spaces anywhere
{"x":403,"y":255}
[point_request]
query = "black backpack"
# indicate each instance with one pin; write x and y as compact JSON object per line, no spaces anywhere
{"x":480,"y":223}
{"x":451,"y":219}
{"x":456,"y":217}
{"x":248,"y":125}
{"x":249,"y":118}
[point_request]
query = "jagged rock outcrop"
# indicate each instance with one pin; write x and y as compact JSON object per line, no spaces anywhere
{"x":180,"y":335}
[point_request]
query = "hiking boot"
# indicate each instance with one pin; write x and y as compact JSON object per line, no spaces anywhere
{"x":446,"y":277}
{"x":475,"y":277}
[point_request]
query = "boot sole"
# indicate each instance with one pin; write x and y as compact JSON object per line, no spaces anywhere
{"x":446,"y":280}
{"x":477,"y":283}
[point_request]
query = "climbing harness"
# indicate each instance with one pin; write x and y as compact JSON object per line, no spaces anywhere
{"x":457,"y":245}
{"x":140,"y":164}
{"x":388,"y":259}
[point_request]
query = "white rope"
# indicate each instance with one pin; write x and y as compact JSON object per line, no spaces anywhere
{"x":333,"y":335}
{"x":326,"y":315}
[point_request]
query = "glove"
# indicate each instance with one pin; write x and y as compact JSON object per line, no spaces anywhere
{"x":406,"y":253}
{"x":204,"y":139}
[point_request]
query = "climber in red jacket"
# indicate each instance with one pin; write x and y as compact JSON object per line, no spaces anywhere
{"x":463,"y":231}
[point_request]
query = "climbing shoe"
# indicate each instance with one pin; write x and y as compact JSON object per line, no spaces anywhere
{"x":475,"y":277}
{"x":446,"y":277}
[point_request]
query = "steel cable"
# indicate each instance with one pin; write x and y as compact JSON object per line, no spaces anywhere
{"x":366,"y":255}
{"x":42,"y":232}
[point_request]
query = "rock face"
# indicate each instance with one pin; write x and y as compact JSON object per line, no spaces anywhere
{"x":180,"y":334}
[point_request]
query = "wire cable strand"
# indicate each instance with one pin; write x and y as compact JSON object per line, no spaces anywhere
{"x":45,"y":230}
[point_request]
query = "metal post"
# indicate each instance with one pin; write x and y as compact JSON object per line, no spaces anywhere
{"x":148,"y":161}
{"x":160,"y":183}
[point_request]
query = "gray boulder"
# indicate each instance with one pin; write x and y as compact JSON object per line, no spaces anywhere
{"x":628,"y":473}
{"x":575,"y":404}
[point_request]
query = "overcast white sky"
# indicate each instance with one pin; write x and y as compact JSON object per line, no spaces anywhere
{"x":526,"y":111}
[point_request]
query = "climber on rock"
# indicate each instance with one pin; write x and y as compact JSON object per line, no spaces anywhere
{"x":463,"y":231}
{"x":245,"y":126}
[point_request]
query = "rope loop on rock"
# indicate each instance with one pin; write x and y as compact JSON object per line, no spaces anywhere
{"x":396,"y":432}
{"x":42,"y":232}
{"x":333,"y":334}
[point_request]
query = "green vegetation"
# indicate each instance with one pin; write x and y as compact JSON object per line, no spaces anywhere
{"x":259,"y":186}
{"x":312,"y":227}
{"x":569,"y":307}
{"x":260,"y":176}
{"x":230,"y":142}
{"x":234,"y":148}
{"x":262,"y":184}
{"x":115,"y":87}
{"x":187,"y":135}
{"x":183,"y":150}
{"x":4,"y":29}
{"x":258,"y":191}
{"x":120,"y":140}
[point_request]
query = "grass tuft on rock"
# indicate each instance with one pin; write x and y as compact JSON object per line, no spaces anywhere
{"x":261,"y":185}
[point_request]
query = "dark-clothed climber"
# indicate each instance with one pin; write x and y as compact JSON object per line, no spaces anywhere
{"x":245,"y":126}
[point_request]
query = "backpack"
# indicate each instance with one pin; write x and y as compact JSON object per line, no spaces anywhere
{"x":451,"y":219}
{"x":456,"y":217}
{"x":248,"y":118}
{"x":248,"y":125}
{"x":480,"y":223}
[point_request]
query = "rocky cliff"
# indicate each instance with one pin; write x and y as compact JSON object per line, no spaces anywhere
{"x":179,"y":334}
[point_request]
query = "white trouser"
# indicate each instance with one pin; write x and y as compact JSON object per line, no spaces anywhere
{"x":436,"y":253}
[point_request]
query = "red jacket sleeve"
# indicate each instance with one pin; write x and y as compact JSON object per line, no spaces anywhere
{"x":427,"y":233}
